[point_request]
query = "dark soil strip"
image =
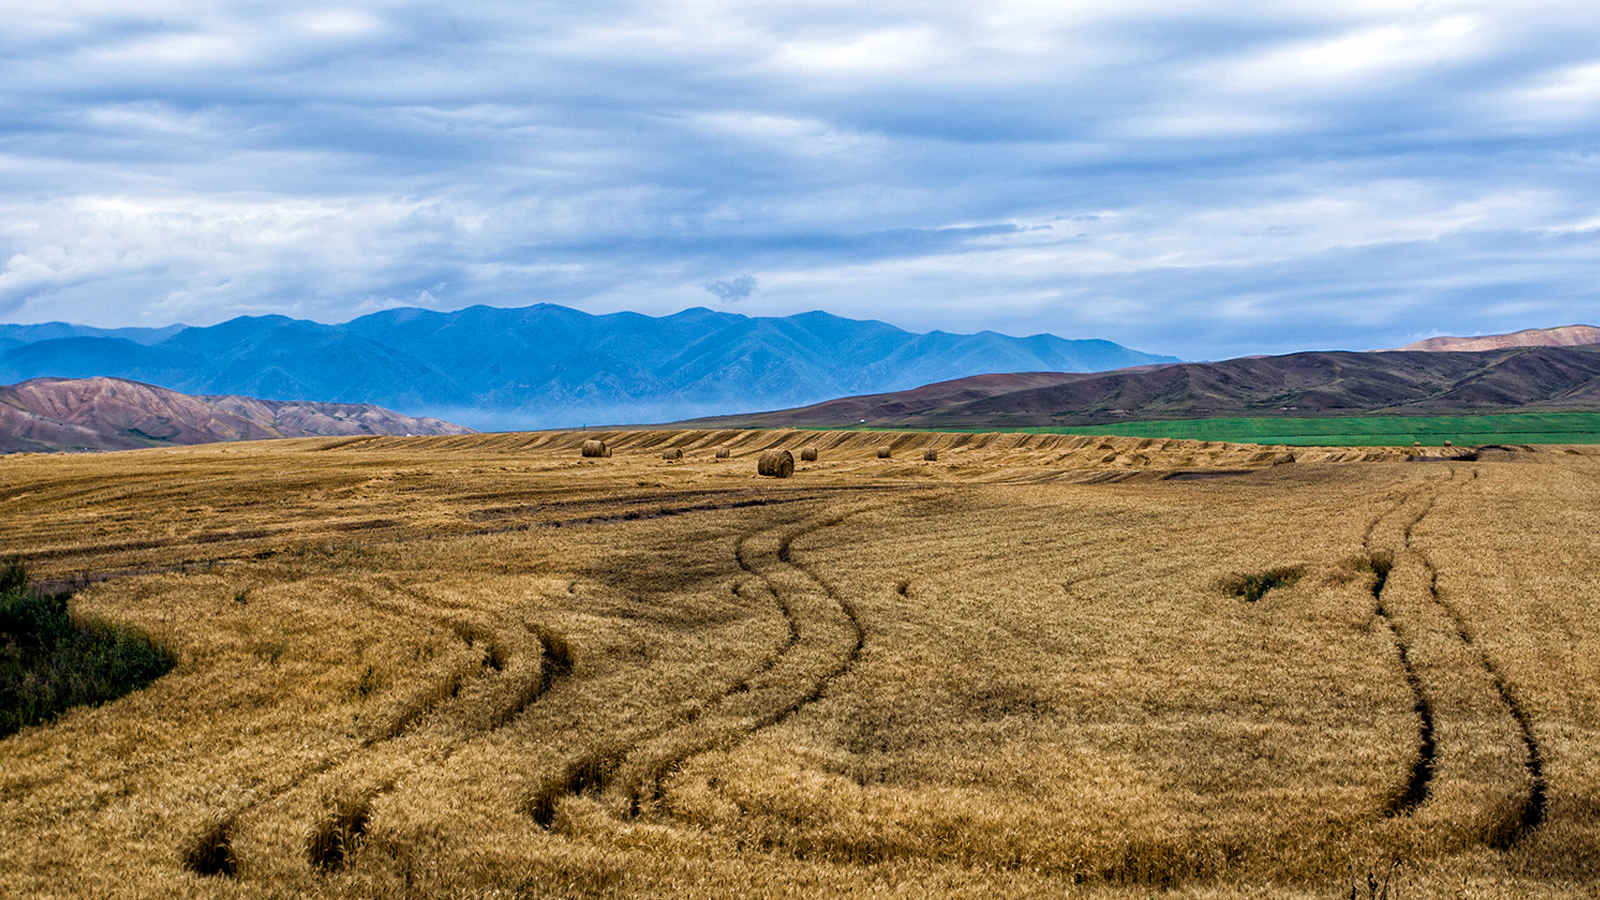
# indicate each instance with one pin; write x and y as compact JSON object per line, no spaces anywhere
{"x":636,"y":515}
{"x":215,"y":537}
{"x":557,"y":501}
{"x":1203,"y":474}
{"x":87,"y":577}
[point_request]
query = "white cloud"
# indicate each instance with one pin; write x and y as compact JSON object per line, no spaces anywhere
{"x":187,"y":49}
{"x":1169,"y":175}
{"x":1356,"y":58}
{"x":888,"y":50}
{"x":339,"y":23}
{"x":1570,"y":95}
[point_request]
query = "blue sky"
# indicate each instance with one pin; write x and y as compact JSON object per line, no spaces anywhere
{"x":1168,"y":176}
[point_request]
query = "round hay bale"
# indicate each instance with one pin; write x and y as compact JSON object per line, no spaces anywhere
{"x":776,"y":463}
{"x":884,"y":452}
{"x":594,"y":448}
{"x":1448,"y":444}
{"x":674,"y":453}
{"x":931,"y":455}
{"x":809,"y":454}
{"x":724,"y":453}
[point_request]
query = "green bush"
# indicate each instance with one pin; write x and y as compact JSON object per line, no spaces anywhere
{"x":51,"y":660}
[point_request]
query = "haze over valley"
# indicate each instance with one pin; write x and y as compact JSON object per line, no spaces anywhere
{"x":545,"y":365}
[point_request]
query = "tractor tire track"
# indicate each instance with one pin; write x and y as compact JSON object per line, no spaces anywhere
{"x":653,"y":787}
{"x":398,"y":535}
{"x":592,"y":772}
{"x":337,"y":836}
{"x":597,"y":772}
{"x":1381,"y":562}
{"x":793,"y":623}
{"x":211,"y":853}
{"x":1530,"y":812}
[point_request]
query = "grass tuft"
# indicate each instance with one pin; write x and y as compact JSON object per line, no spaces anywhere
{"x":1252,"y":587}
{"x":369,"y":683}
{"x":339,"y":836}
{"x":212,"y":852}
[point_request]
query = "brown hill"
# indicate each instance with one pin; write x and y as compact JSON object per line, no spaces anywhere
{"x":1299,"y":384}
{"x":48,"y":414}
{"x":1564,"y":336}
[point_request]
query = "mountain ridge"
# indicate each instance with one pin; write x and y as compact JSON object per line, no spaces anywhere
{"x":548,"y":365}
{"x":1559,"y":336}
{"x":1299,"y":384}
{"x":54,"y":414}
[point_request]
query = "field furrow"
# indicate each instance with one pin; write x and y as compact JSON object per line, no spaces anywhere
{"x":1035,"y":665}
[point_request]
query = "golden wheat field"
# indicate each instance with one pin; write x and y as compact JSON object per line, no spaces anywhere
{"x":1035,"y":665}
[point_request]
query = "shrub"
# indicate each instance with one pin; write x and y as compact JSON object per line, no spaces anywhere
{"x":51,"y":660}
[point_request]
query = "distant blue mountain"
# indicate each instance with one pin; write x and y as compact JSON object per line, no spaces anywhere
{"x":46,"y":331}
{"x":545,"y":365}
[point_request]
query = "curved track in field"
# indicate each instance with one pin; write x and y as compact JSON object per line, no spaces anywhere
{"x":633,"y":774}
{"x":210,"y":852}
{"x":1529,"y":812}
{"x":1420,"y":778}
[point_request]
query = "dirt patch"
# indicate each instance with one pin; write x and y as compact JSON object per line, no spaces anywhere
{"x":1204,"y":474}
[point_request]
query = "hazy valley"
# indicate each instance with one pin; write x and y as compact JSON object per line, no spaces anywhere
{"x":544,"y":365}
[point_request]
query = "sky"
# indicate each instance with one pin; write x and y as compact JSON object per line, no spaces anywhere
{"x":1169,"y":176}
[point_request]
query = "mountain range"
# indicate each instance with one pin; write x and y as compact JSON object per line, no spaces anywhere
{"x":48,"y":414}
{"x":1298,"y":384}
{"x":544,"y":365}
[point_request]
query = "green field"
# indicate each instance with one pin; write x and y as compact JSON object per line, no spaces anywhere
{"x":1354,"y":431}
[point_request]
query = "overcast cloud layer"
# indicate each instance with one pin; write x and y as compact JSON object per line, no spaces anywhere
{"x":1176,"y":179}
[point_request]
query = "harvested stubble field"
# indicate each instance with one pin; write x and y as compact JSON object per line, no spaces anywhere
{"x":1039,"y":665}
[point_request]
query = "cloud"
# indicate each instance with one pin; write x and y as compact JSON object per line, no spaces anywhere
{"x":734,"y":289}
{"x":1175,"y":176}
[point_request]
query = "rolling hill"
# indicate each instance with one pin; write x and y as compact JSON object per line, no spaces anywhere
{"x":1564,"y":336}
{"x":1299,"y":384}
{"x":49,"y":414}
{"x":546,"y":365}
